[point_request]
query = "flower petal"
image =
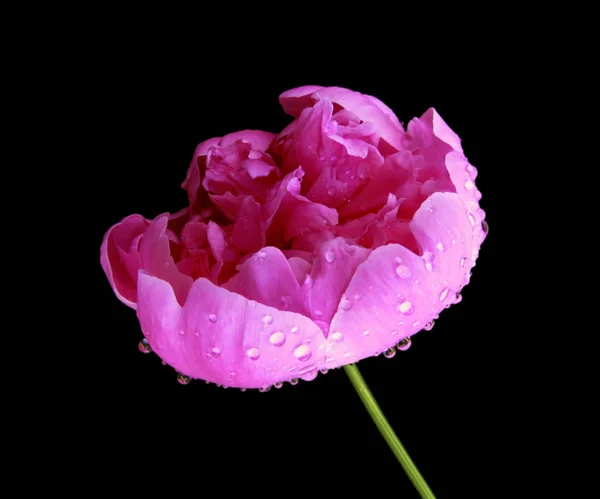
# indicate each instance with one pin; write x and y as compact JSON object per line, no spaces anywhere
{"x":120,"y":258}
{"x":156,"y":259}
{"x":258,"y":139}
{"x":249,"y":229}
{"x":401,"y":291}
{"x":252,"y":347}
{"x":295,"y":100}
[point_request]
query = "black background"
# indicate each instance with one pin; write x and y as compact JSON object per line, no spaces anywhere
{"x":142,"y":113}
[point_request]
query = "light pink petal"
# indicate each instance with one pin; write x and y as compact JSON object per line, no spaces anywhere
{"x":401,"y":291}
{"x":156,"y":259}
{"x":249,"y":229}
{"x":258,"y":139}
{"x":300,"y":268}
{"x":331,"y":272}
{"x":224,"y":338}
{"x":267,"y":277}
{"x":295,"y":100}
{"x":120,"y":258}
{"x":257,"y":168}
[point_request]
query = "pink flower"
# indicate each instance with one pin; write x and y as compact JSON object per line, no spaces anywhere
{"x":318,"y":247}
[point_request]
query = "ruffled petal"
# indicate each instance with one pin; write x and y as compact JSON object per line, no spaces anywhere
{"x":120,"y":258}
{"x":224,"y":338}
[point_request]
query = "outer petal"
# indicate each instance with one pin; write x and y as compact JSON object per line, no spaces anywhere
{"x":156,"y":259}
{"x":225,"y":338}
{"x":401,"y":291}
{"x":120,"y":258}
{"x":295,"y":100}
{"x":258,"y":139}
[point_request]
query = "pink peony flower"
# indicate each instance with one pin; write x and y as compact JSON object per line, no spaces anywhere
{"x":328,"y":243}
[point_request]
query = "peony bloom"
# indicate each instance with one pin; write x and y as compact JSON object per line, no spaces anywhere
{"x":331,"y":242}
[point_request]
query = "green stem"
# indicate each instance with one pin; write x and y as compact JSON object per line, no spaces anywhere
{"x":387,"y":432}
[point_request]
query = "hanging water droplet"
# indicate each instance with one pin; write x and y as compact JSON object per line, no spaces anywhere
{"x":345,"y":305}
{"x":277,"y":338}
{"x":366,"y":332}
{"x":477,"y":194}
{"x":443,"y":294}
{"x":469,"y":185}
{"x":264,"y":389}
{"x":390,"y":352}
{"x":324,"y":370}
{"x":329,"y":256}
{"x":429,"y":326}
{"x":144,"y":346}
{"x":308,"y":373}
{"x":337,"y":337}
{"x":458,"y":298}
{"x":403,"y":271}
{"x":278,"y":385}
{"x":485,"y":226}
{"x":404,"y":344}
{"x":253,"y":353}
{"x":294,"y":330}
{"x":294,"y":381}
{"x":242,"y":389}
{"x":267,"y":319}
{"x":212,"y":318}
{"x":303,"y":353}
{"x":440,"y":246}
{"x":183,"y":379}
{"x":215,"y":352}
{"x":406,"y":308}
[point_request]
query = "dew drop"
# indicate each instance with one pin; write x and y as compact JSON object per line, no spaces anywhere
{"x":303,"y":353}
{"x":394,"y":331}
{"x":182,"y":379}
{"x":253,"y":353}
{"x":472,"y":220}
{"x":277,"y":338}
{"x":406,"y":308}
{"x":403,"y":271}
{"x":144,"y":346}
{"x":264,"y":389}
{"x":431,"y":209}
{"x":404,"y":344}
{"x":286,"y":301}
{"x":463,"y":261}
{"x":440,"y":247}
{"x":337,"y":337}
{"x":390,"y":352}
{"x":469,"y":185}
{"x":308,"y":281}
{"x":443,"y":294}
{"x":330,"y":256}
{"x":308,"y":373}
{"x":477,"y":194}
{"x":294,"y":381}
{"x":215,"y":352}
{"x":345,"y":305}
{"x":278,"y":385}
{"x":458,"y":298}
{"x":366,"y":332}
{"x":324,"y":370}
{"x":262,"y":255}
{"x":398,"y":259}
{"x":429,"y":326}
{"x":318,"y":314}
{"x":212,"y":318}
{"x":485,"y":226}
{"x":294,"y":330}
{"x":331,"y":191}
{"x":356,"y":297}
{"x":267,"y":319}
{"x":416,"y":323}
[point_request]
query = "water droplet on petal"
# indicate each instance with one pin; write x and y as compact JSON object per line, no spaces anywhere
{"x":440,"y":247}
{"x":416,"y":323}
{"x":212,"y":318}
{"x":324,"y":371}
{"x":458,"y":298}
{"x":278,"y":385}
{"x":356,"y":297}
{"x":294,"y":330}
{"x":394,"y":331}
{"x":183,"y":379}
{"x":267,"y":319}
{"x":144,"y":346}
{"x":331,"y":191}
{"x":308,"y":373}
{"x":253,"y":353}
{"x":429,"y":326}
{"x":366,"y":332}
{"x":345,"y":305}
{"x":406,"y":308}
{"x":477,"y":194}
{"x":469,"y":185}
{"x":463,"y":261}
{"x":308,"y":281}
{"x":330,"y":256}
{"x":318,"y":314}
{"x":215,"y":352}
{"x":242,"y":389}
{"x":431,"y":209}
{"x":264,"y":389}
{"x":472,"y":220}
{"x":294,"y":381}
{"x":286,"y":301}
{"x":303,"y":353}
{"x":390,"y":352}
{"x":277,"y":338}
{"x":404,"y":344}
{"x":443,"y":294}
{"x":337,"y":337}
{"x":262,"y":255}
{"x":403,"y":271}
{"x":485,"y":226}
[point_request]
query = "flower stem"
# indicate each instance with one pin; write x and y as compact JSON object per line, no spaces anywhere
{"x":387,"y":432}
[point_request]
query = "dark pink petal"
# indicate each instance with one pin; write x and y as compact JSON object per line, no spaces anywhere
{"x":249,"y":229}
{"x":258,"y":139}
{"x":120,"y":258}
{"x":193,"y":235}
{"x":401,"y":291}
{"x":156,"y":259}
{"x":295,"y":100}
{"x":224,"y":338}
{"x":193,"y":179}
{"x":224,"y":253}
{"x":227,"y":203}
